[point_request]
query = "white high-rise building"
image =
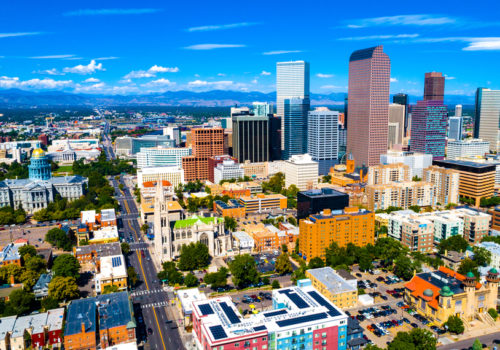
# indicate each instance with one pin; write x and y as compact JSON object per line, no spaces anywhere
{"x":458,"y":110}
{"x":467,"y":148}
{"x":455,"y":128}
{"x":292,"y":82}
{"x":262,"y":109}
{"x":397,"y":115}
{"x":302,"y":171}
{"x":228,"y":170}
{"x":487,"y":121}
{"x":172,"y":174}
{"x":416,"y":161}
{"x":154,"y":157}
{"x":323,"y":138}
{"x":173,"y":132}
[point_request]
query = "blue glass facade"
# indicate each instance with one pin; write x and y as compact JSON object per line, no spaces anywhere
{"x":295,"y":124}
{"x":428,"y":128}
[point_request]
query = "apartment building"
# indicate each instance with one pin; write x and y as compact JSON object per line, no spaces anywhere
{"x":205,"y":143}
{"x":467,"y":148}
{"x":384,"y":174}
{"x":446,"y":182}
{"x":301,"y":171}
{"x":335,"y":288}
{"x":263,"y":202}
{"x":401,"y":194}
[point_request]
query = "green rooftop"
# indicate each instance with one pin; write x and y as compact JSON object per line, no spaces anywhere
{"x":493,"y":270}
{"x":197,"y":220}
{"x":446,"y":291}
{"x":470,"y":275}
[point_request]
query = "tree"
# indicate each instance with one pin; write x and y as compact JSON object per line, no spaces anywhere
{"x":170,"y":275}
{"x":194,"y":256}
{"x":372,"y":347}
{"x":455,"y":324}
{"x":217,"y":279}
{"x":477,"y":345}
{"x":35,"y":263}
{"x":27,"y":251}
{"x":455,"y":243}
{"x":63,"y":288}
{"x":296,"y":248}
{"x":244,"y":270}
{"x":9,"y":271}
{"x":403,"y":267}
{"x":266,"y":280}
{"x":110,"y":289}
{"x":50,"y":303}
{"x":230,"y":223}
{"x":28,"y":278}
{"x":190,"y":280}
{"x":283,"y":265}
{"x":125,"y":248}
{"x":275,"y":284}
{"x":284,"y":248}
{"x":132,"y":276}
{"x":66,"y":265}
{"x":416,"y":339}
{"x":316,"y":263}
{"x":144,"y":228}
{"x":493,"y":313}
{"x":468,"y":265}
{"x":416,"y":178}
{"x":482,"y":256}
{"x":20,"y":302}
{"x":415,"y":208}
{"x":292,"y":221}
{"x":58,"y":238}
{"x":365,"y":262}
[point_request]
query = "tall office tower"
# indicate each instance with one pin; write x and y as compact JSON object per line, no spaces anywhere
{"x":402,"y":99}
{"x":367,"y":126}
{"x":434,"y":86}
{"x":346,"y":110}
{"x":250,"y":137}
{"x":205,"y":143}
{"x":262,"y":109}
{"x":294,"y":131}
{"x":323,"y":138}
{"x":455,"y":128}
{"x":486,"y":123}
{"x":458,"y":110}
{"x":292,"y":81}
{"x":428,"y":128}
{"x":173,"y":132}
{"x":397,"y":116}
{"x":392,"y":135}
{"x":275,"y":137}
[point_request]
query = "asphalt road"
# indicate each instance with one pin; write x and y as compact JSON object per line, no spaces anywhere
{"x":148,"y":298}
{"x":491,"y":340}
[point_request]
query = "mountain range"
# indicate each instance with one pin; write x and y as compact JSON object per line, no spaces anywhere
{"x":215,"y":98}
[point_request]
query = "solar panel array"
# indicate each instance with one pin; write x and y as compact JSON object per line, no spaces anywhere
{"x":275,"y":313}
{"x":116,"y":261}
{"x":206,"y":309}
{"x":301,"y":319}
{"x":231,"y":315}
{"x":295,"y":298}
{"x":320,"y":300}
{"x":218,"y":332}
{"x":259,"y":328}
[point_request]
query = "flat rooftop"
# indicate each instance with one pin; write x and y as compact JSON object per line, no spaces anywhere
{"x":324,"y":192}
{"x":331,"y":280}
{"x":101,"y":250}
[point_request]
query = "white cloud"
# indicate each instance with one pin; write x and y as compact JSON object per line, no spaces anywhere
{"x":321,"y":75}
{"x":447,"y":77}
{"x":106,"y":58}
{"x":91,"y":80}
{"x":94,"y":88}
{"x":220,"y":27}
{"x":101,"y":12}
{"x":150,"y":73}
{"x":160,"y":69}
{"x":212,"y":46}
{"x":483,"y":44}
{"x":159,"y":82}
{"x":11,"y":35}
{"x":197,"y":75}
{"x":52,"y":71}
{"x":216,"y":85}
{"x":55,"y":57}
{"x":280,"y":52}
{"x":330,"y":87}
{"x":382,"y":37}
{"x":403,"y":20}
{"x":265,"y":73}
{"x":394,"y":80}
{"x":221,"y":74}
{"x":90,"y":68}
{"x":255,"y":81}
{"x":35,"y":84}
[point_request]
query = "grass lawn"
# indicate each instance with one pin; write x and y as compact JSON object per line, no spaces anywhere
{"x":64,"y":169}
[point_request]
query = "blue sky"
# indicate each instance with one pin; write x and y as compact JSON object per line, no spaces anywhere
{"x":128,"y":47}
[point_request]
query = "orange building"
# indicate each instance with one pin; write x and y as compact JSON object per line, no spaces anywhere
{"x":351,"y":225}
{"x":205,"y":143}
{"x":495,"y":218}
{"x":261,"y":202}
{"x":232,"y":209}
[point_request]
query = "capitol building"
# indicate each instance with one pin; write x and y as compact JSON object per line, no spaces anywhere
{"x":40,"y":188}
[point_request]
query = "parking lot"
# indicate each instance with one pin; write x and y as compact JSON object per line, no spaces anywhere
{"x":35,"y":235}
{"x":253,"y":301}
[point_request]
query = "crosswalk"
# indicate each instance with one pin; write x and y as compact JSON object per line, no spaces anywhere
{"x":146,"y":292}
{"x":140,"y":248}
{"x":153,"y":305}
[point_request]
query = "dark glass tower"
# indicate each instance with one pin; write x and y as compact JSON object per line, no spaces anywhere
{"x":251,"y":138}
{"x":402,"y":99}
{"x":434,"y":86}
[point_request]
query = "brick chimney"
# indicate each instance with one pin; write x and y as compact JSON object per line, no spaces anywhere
{"x":83,"y":327}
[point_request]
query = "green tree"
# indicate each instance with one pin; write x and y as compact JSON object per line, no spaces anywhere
{"x":132,"y":276}
{"x":27,"y":251}
{"x":456,"y":243}
{"x":493,"y":313}
{"x":58,"y":238}
{"x":144,"y":228}
{"x":244,"y":270}
{"x":66,"y":265}
{"x":316,"y":263}
{"x":28,"y":278}
{"x":365,"y":262}
{"x":266,"y":280}
{"x":170,"y":274}
{"x":468,"y":265}
{"x":482,"y":256}
{"x":275,"y":284}
{"x":36,"y":264}
{"x":63,"y":288}
{"x":455,"y":324}
{"x":416,"y":339}
{"x":283,"y":264}
{"x":292,"y":221}
{"x":20,"y":302}
{"x":110,"y":289}
{"x":230,"y":223}
{"x":217,"y":279}
{"x":296,"y":249}
{"x":403,"y":267}
{"x":194,"y":256}
{"x":284,"y":248}
{"x":190,"y":280}
{"x":125,"y":248}
{"x":415,"y":208}
{"x":416,"y":178}
{"x":477,"y":345}
{"x":372,"y":347}
{"x":50,"y":303}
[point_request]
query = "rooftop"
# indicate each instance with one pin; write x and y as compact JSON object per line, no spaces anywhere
{"x":108,"y":215}
{"x":55,"y":319}
{"x":115,"y":310}
{"x":6,"y":325}
{"x":331,"y":280}
{"x":100,"y":250}
{"x":324,"y":192}
{"x":112,"y":267}
{"x":81,"y":311}
{"x":198,"y":221}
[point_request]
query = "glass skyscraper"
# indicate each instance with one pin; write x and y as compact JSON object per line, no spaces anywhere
{"x":487,"y":120}
{"x":323,"y":138}
{"x":428,"y":128}
{"x":292,"y":85}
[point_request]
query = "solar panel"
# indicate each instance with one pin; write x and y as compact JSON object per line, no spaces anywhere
{"x":301,"y":319}
{"x":275,"y":313}
{"x":218,"y":332}
{"x":259,"y":328}
{"x":231,"y":315}
{"x":320,"y":300}
{"x":116,"y":261}
{"x":206,"y":309}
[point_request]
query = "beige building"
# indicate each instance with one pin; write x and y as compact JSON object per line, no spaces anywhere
{"x":400,"y":194}
{"x":172,"y":174}
{"x":446,"y":182}
{"x":113,"y":272}
{"x":384,"y":174}
{"x":397,"y":118}
{"x":338,"y":290}
{"x":301,"y":171}
{"x":258,"y":170}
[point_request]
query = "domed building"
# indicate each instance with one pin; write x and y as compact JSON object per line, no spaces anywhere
{"x":40,"y":188}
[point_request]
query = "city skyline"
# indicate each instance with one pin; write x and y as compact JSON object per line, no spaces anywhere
{"x":131,"y":48}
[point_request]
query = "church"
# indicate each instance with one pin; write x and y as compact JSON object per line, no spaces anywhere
{"x":40,"y":188}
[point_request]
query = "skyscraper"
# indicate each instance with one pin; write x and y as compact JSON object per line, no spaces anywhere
{"x":262,"y":109}
{"x":369,"y":77}
{"x":402,"y":99}
{"x":486,"y":123}
{"x":250,"y":137}
{"x":455,"y":128}
{"x":434,"y":86}
{"x":397,"y":116}
{"x":292,"y":81}
{"x":205,"y":143}
{"x":458,"y":110}
{"x":323,"y":138}
{"x":275,"y":137}
{"x":294,"y":131}
{"x":428,"y":128}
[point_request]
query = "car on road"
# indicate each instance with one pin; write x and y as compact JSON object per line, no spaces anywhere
{"x":414,"y":325}
{"x":150,"y":331}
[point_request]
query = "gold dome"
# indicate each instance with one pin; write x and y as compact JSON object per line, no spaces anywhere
{"x":38,"y":153}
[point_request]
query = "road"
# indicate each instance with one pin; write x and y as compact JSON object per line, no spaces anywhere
{"x":490,"y":340}
{"x":149,"y":298}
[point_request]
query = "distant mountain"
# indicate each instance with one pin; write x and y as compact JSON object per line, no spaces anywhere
{"x":213,"y":98}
